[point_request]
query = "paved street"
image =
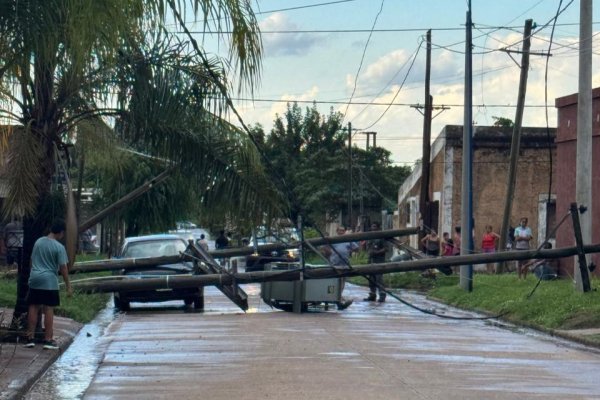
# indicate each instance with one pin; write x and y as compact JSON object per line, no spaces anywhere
{"x":369,"y":351}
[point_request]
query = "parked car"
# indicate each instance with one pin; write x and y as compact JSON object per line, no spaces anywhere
{"x":87,"y":242}
{"x":157,"y":246}
{"x":193,"y":233}
{"x":256,"y":262}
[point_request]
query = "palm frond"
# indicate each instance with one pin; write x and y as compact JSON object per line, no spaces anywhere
{"x":175,"y":113}
{"x":22,"y":171}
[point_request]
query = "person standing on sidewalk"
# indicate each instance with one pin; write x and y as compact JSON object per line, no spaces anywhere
{"x":432,"y":244}
{"x":488,"y":245}
{"x":376,"y":249}
{"x":523,"y":237}
{"x":202,"y":242}
{"x":339,"y":257}
{"x":48,"y":258}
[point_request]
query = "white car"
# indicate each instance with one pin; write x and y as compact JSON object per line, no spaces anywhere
{"x":157,"y":246}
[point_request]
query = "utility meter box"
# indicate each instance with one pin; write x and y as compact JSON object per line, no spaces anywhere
{"x":284,"y":294}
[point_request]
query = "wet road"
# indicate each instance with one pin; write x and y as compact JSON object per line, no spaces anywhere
{"x":369,"y":351}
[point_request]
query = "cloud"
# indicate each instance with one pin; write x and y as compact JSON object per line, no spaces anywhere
{"x":265,"y":113}
{"x":387,"y":70}
{"x":284,"y":44}
{"x":400,"y":129}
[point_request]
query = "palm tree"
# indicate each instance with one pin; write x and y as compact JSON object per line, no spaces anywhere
{"x":66,"y":63}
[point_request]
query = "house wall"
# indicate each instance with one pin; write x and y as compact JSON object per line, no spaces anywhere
{"x":566,"y":141}
{"x":490,"y":173}
{"x":490,"y":176}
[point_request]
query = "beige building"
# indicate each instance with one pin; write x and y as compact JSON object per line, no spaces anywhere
{"x":491,"y":155}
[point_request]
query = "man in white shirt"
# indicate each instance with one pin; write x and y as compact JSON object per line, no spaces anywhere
{"x":523,"y":237}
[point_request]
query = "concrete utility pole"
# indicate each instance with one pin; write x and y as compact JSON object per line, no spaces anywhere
{"x":583,"y":184}
{"x":426,"y":160}
{"x":466,"y":237}
{"x":368,"y":134}
{"x":349,"y":174}
{"x":516,"y":139}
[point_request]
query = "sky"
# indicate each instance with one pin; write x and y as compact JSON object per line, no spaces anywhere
{"x":329,"y":55}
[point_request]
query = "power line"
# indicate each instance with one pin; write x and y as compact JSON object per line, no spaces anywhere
{"x":362,"y":59}
{"x":384,"y":30}
{"x":398,"y":91}
{"x":303,"y":7}
{"x":413,"y":86}
{"x":374,"y":103}
{"x":271,"y":12}
{"x":413,"y":57}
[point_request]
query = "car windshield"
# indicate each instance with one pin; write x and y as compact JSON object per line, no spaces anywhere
{"x":283,"y":235}
{"x":154,"y":248}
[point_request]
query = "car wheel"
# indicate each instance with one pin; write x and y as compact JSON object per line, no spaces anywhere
{"x":199,"y":303}
{"x":120,"y":303}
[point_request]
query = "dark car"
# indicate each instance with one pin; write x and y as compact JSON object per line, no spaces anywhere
{"x":258,"y":260}
{"x":157,"y":246}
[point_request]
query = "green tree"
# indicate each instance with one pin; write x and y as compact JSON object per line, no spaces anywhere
{"x":63,"y":62}
{"x":309,"y":159}
{"x":503,"y":122}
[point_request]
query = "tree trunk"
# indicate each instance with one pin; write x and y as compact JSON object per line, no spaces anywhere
{"x":34,"y":227}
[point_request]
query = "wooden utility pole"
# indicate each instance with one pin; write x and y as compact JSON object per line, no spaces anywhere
{"x":123,"y":201}
{"x":426,"y":160}
{"x":516,"y":139}
{"x":583,"y":184}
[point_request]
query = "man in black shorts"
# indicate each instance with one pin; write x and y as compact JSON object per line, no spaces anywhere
{"x":48,"y":258}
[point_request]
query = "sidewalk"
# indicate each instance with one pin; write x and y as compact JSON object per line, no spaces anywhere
{"x":20,"y":367}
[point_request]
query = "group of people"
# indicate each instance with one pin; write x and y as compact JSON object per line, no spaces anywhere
{"x":435,"y":246}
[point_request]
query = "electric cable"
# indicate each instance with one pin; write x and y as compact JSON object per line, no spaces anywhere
{"x":229,"y":101}
{"x":548,"y":236}
{"x":397,"y":91}
{"x":362,"y":59}
{"x":548,"y":136}
{"x":403,"y":301}
{"x":393,"y":78}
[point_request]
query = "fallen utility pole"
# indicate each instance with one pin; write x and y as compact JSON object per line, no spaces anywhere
{"x":116,"y":264}
{"x":123,"y":201}
{"x":210,"y":266}
{"x":581,"y":258}
{"x":177,"y":281}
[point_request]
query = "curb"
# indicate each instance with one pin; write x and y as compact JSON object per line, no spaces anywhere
{"x":552,"y":332}
{"x":25,"y":366}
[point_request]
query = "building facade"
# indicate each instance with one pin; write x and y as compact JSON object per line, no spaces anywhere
{"x":491,"y":156}
{"x":566,"y":159}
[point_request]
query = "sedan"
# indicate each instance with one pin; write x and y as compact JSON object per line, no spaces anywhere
{"x":157,"y":246}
